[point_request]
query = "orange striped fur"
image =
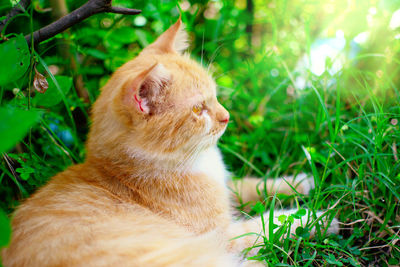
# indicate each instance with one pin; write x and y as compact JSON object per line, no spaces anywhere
{"x":151,"y":191}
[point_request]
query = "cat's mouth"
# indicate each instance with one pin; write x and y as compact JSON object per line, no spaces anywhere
{"x":218,"y":131}
{"x":215,"y":135}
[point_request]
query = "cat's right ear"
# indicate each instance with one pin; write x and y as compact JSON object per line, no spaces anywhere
{"x":173,"y":40}
{"x":145,"y":92}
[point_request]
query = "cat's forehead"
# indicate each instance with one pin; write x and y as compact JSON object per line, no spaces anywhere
{"x":190,"y":79}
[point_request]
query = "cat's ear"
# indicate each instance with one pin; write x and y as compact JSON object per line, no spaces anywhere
{"x":145,"y":92}
{"x":175,"y":39}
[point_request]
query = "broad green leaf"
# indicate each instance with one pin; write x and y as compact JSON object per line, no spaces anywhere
{"x":299,"y":231}
{"x":125,"y":35}
{"x":300,"y":213}
{"x":119,"y":37}
{"x":14,"y":125}
{"x":25,"y":172}
{"x":53,"y":96}
{"x":15,"y":58}
{"x":5,"y":229}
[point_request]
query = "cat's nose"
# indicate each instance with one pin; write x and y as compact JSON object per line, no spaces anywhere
{"x":222,"y":114}
{"x":223,"y":117}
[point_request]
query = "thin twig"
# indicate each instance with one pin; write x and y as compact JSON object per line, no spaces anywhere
{"x":122,"y":10}
{"x":391,"y":244}
{"x":367,"y":248}
{"x":91,"y":8}
{"x":380,"y":221}
{"x":57,"y":144}
{"x":14,"y":174}
{"x":340,"y":155}
{"x":352,"y":223}
{"x":394,"y":148}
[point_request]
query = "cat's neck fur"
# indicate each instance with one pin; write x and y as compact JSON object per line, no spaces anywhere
{"x":186,"y":197}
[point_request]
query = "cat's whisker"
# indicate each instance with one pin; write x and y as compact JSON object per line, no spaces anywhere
{"x":186,"y":157}
{"x":192,"y":155}
{"x":202,"y":49}
{"x":213,"y":56}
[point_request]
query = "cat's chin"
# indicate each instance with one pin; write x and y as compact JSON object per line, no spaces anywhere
{"x":217,"y":136}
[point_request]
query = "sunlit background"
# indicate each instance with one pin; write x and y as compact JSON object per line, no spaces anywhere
{"x":313,"y":38}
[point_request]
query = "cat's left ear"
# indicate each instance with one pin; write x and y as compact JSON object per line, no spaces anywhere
{"x":175,"y":39}
{"x":145,"y":93}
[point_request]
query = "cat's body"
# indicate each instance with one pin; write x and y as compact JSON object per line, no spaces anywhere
{"x":87,"y":217}
{"x":152,"y":191}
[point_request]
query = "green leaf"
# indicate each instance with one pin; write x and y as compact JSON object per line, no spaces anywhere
{"x":259,"y":208}
{"x":355,"y":251}
{"x":24,"y":176}
{"x":5,"y":229}
{"x":53,"y":95}
{"x":332,"y":260}
{"x":25,"y":172}
{"x":303,"y":232}
{"x":299,"y":231}
{"x":353,"y":262}
{"x":15,"y":123}
{"x":300,"y":213}
{"x":256,"y":120}
{"x":119,"y":37}
{"x":15,"y":59}
{"x":282,"y":218}
{"x":142,"y":37}
{"x":271,"y":219}
{"x":96,"y":53}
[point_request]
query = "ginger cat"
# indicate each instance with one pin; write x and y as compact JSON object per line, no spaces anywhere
{"x":152,"y":191}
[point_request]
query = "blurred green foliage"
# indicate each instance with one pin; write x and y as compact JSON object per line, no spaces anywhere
{"x":311,"y":86}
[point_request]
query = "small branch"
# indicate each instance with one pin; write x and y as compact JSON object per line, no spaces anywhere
{"x":123,"y":10}
{"x":394,"y":148}
{"x":91,"y":8}
{"x":340,"y":155}
{"x":17,"y":9}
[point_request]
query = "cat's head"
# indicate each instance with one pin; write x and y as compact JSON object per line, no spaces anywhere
{"x":160,"y":105}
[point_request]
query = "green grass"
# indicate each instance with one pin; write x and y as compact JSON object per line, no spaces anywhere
{"x":352,"y":144}
{"x":342,"y":128}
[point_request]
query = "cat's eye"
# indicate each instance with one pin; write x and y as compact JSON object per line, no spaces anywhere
{"x":197,"y":109}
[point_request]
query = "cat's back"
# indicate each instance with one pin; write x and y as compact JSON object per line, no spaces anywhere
{"x":69,"y":212}
{"x":67,"y":195}
{"x":74,"y":221}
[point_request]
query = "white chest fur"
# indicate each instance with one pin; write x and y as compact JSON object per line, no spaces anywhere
{"x":211,"y":164}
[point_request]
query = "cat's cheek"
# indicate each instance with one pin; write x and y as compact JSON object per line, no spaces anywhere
{"x":197,"y":120}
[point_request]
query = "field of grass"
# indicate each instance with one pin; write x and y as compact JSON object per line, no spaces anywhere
{"x":312,"y":86}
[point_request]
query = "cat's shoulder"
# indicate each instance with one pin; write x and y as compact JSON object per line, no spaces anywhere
{"x":210,"y":163}
{"x":74,"y":188}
